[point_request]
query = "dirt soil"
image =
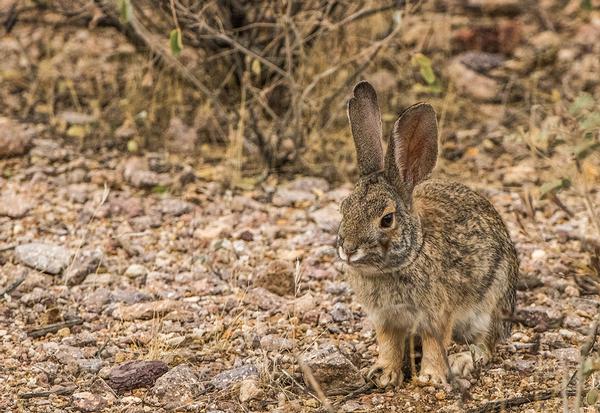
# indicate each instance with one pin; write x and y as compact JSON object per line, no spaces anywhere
{"x":221,"y":280}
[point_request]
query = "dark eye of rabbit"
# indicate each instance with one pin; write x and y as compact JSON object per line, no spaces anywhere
{"x":387,"y":220}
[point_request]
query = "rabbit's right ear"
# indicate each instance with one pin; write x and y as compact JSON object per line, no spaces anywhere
{"x":365,"y":121}
{"x":412,"y":150}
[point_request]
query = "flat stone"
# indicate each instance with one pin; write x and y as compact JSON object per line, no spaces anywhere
{"x":526,"y":366}
{"x":224,"y":379}
{"x":85,"y":263}
{"x":88,"y":402}
{"x":100,"y":279}
{"x":178,"y":386}
{"x":332,"y":370}
{"x":130,"y":206}
{"x":14,"y":205}
{"x":540,"y":318}
{"x":274,"y":343}
{"x":136,"y":270}
{"x":146,"y":310}
{"x":571,"y":355}
{"x":303,"y":304}
{"x":90,"y":365}
{"x":481,"y":62}
{"x":48,"y":258}
{"x":175,"y":207}
{"x":135,"y":374}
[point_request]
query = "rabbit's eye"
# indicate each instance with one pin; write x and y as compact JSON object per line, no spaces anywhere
{"x":387,"y":220}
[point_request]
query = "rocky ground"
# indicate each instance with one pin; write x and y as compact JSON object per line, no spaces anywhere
{"x":138,"y":281}
{"x":221,"y":297}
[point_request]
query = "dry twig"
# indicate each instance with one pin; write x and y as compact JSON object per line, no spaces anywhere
{"x":63,"y":391}
{"x":53,"y":328}
{"x":13,"y":286}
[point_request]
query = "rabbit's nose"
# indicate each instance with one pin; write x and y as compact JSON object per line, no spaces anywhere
{"x":346,"y":251}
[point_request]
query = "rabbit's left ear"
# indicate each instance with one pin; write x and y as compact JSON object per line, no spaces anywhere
{"x":412,"y":150}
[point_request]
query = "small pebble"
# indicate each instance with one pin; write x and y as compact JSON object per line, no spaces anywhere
{"x":64,"y":332}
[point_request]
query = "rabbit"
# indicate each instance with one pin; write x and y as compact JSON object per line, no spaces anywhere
{"x":426,"y":258}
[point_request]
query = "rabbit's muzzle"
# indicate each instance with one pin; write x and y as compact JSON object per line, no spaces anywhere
{"x":357,"y":254}
{"x":351,"y":255}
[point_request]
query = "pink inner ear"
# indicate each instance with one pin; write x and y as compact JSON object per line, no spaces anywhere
{"x":412,"y":151}
{"x":422,"y":155}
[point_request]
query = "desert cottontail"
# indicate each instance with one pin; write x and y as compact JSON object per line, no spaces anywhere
{"x":426,"y":258}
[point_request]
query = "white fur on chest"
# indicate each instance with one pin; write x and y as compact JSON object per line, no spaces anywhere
{"x":400,"y":316}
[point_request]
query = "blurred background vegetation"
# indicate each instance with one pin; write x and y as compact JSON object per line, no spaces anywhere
{"x":251,"y":88}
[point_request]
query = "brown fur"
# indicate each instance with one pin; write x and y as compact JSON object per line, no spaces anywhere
{"x":365,"y":120}
{"x":445,"y":269}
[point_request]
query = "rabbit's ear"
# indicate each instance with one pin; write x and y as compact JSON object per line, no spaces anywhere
{"x":365,"y":121}
{"x":412,"y":150}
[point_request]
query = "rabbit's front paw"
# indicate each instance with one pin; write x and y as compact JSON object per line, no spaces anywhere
{"x":432,"y":379}
{"x":384,"y":375}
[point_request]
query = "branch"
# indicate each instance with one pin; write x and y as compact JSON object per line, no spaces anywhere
{"x":60,"y":391}
{"x":53,"y":328}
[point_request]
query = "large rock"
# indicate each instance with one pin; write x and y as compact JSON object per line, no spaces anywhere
{"x":15,"y":138}
{"x":48,"y":258}
{"x":181,"y":385}
{"x":135,"y":374}
{"x":332,"y":370}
